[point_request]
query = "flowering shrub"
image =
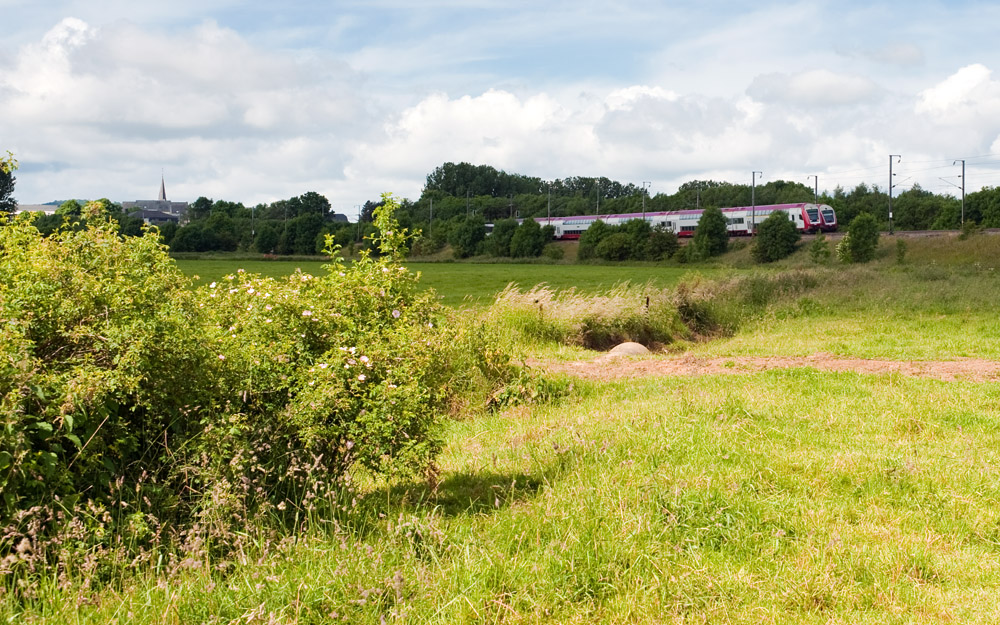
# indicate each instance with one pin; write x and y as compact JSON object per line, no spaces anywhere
{"x":122,"y":390}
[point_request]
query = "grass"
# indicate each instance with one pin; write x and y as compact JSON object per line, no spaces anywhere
{"x":783,"y":497}
{"x":786,"y":496}
{"x":468,"y":283}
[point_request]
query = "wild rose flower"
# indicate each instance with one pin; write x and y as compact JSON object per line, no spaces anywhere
{"x":395,"y":314}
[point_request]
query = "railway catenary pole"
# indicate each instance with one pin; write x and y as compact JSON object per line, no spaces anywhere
{"x":816,"y":188}
{"x":645,"y":185}
{"x":898,"y":159}
{"x":962,"y":161}
{"x":753,"y":200}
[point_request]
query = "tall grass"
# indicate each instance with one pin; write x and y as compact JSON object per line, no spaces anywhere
{"x":656,"y":317}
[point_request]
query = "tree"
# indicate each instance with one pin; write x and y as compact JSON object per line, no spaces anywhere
{"x":313,"y":202}
{"x":187,"y":239}
{"x":7,"y":202}
{"x":711,"y":237}
{"x":466,"y":236}
{"x":616,"y":246}
{"x":591,"y":238}
{"x":70,"y":208}
{"x":200,"y":208}
{"x":776,"y":238}
{"x":663,"y":243}
{"x":267,"y":239}
{"x":307,"y":227}
{"x":638,"y":232}
{"x":529,"y":240}
{"x":862,"y":238}
{"x":500,"y":238}
{"x":167,"y":232}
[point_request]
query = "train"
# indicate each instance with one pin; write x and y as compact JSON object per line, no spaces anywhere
{"x":741,"y":220}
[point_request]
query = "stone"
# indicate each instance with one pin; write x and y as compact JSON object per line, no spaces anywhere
{"x":628,"y":349}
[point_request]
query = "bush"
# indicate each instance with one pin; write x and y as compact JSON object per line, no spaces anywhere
{"x":862,"y":238}
{"x":844,"y":248}
{"x":711,"y":237}
{"x":97,"y":355}
{"x":591,"y":238}
{"x":500,"y":239}
{"x":553,"y":251}
{"x":121,"y":389}
{"x":663,"y":243}
{"x":970,"y":228}
{"x":776,"y":238}
{"x":466,"y":236}
{"x":528,"y":240}
{"x":819,"y":251}
{"x":616,"y":246}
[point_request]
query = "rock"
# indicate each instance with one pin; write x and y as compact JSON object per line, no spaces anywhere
{"x":628,"y":349}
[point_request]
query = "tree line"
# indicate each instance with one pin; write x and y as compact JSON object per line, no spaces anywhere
{"x":464,"y":190}
{"x":459,"y":199}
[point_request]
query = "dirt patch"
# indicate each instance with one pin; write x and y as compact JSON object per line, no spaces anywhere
{"x":610,"y":368}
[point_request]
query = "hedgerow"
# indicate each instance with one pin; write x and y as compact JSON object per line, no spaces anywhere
{"x":142,"y":417}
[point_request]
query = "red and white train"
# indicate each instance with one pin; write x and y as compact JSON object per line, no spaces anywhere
{"x":741,"y":220}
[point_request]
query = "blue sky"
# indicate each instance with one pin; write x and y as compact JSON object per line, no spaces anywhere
{"x":258,"y":101}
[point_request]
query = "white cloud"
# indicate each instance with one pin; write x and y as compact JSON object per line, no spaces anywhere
{"x":255,"y":102}
{"x":900,"y":54}
{"x":968,"y":92}
{"x":124,"y":100}
{"x":813,"y":88}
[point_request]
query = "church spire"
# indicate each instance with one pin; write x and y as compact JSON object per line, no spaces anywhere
{"x":163,"y":189}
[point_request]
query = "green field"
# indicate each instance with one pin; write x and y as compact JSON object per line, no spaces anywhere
{"x":461,"y":283}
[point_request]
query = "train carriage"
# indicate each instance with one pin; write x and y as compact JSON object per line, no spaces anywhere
{"x":740,"y":220}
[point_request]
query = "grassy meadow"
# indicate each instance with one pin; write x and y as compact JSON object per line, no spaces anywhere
{"x":465,"y":283}
{"x":785,"y":496}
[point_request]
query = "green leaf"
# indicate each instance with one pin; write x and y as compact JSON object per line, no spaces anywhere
{"x":5,"y":460}
{"x":42,"y":426}
{"x":68,"y":420}
{"x":73,"y":438}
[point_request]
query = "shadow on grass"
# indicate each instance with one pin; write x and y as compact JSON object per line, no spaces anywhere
{"x":467,"y":493}
{"x":484,"y":492}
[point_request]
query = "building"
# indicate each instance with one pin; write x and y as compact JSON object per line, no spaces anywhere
{"x":158,"y":211}
{"x":45,"y":209}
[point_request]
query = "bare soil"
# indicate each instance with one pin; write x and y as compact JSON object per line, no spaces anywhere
{"x":610,"y":367}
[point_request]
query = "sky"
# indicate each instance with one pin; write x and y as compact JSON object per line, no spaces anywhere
{"x":259,"y":101}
